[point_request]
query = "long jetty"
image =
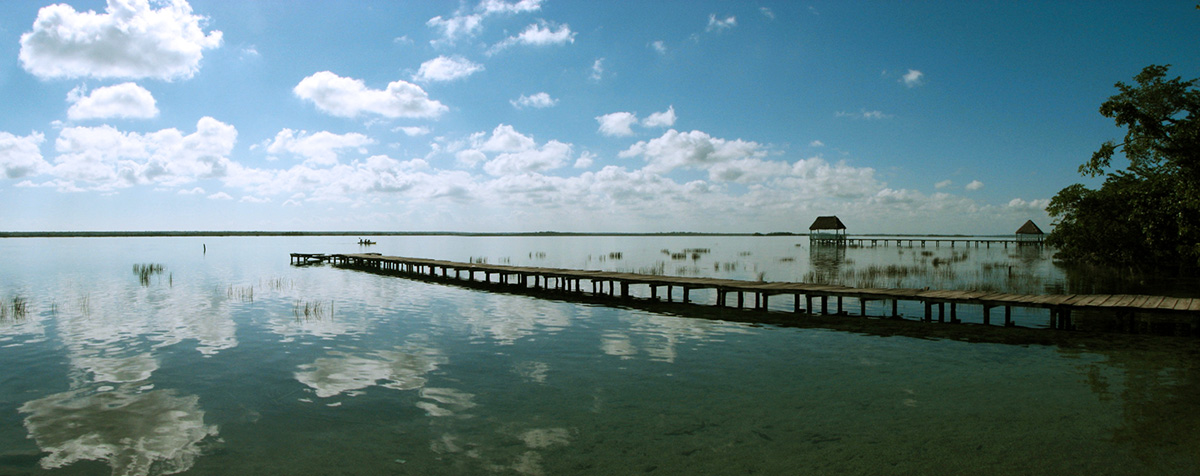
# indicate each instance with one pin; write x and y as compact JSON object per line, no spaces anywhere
{"x":753,"y":294}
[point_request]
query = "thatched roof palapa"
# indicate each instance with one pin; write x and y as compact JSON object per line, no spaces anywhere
{"x":1029,"y":228}
{"x":827,"y":223}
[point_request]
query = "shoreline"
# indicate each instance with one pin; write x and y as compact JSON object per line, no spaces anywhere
{"x":133,"y":234}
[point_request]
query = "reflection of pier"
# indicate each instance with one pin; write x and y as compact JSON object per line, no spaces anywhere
{"x":617,"y":286}
{"x":923,"y":242}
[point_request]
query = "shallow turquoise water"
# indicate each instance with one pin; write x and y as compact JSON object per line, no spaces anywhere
{"x":213,"y":367}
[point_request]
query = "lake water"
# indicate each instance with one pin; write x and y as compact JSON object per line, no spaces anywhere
{"x":231,"y":361}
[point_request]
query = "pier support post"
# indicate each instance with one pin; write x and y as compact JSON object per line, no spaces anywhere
{"x":1008,"y":316}
{"x":862,"y":307}
{"x":954,"y":313}
{"x":808,"y":304}
{"x":824,"y":305}
{"x":941,"y":312}
{"x":894,"y":304}
{"x":685,"y":295}
{"x":839,"y":300}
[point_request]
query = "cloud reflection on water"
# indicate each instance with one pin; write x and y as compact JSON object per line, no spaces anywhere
{"x":136,"y":433}
{"x":341,"y":372}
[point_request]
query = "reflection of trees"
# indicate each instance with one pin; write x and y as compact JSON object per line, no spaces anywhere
{"x":1158,"y":391}
{"x":398,"y":369}
{"x":136,"y":433}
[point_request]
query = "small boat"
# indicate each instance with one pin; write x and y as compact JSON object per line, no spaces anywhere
{"x":365,"y":242}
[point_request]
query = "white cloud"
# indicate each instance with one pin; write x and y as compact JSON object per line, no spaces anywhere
{"x":816,"y":143}
{"x":194,"y":191}
{"x":446,"y":68}
{"x":500,"y":6}
{"x":129,"y":40}
{"x":659,"y":47}
{"x":585,"y":160}
{"x":253,"y":199}
{"x":463,"y":25}
{"x":321,"y":148}
{"x":516,"y":153}
{"x":552,"y":155}
{"x":693,"y":149}
{"x":348,"y":97}
{"x":220,"y":196}
{"x":974,"y":185}
{"x":864,"y":114}
{"x":913,"y":78}
{"x":720,"y":25}
{"x":661,"y":119}
{"x":538,"y":100}
{"x":104,"y":158}
{"x":22,"y":156}
{"x":539,"y":34}
{"x":456,"y":27}
{"x":766,"y":12}
{"x":1031,"y":205}
{"x":597,"y":69}
{"x":617,"y":124}
{"x":943,"y":184}
{"x":125,"y":100}
{"x":504,"y":138}
{"x":412,"y":131}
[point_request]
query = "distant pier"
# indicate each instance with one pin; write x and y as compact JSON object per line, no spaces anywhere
{"x":806,"y":298}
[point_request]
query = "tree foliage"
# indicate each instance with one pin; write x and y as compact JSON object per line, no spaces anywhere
{"x":1147,"y":215}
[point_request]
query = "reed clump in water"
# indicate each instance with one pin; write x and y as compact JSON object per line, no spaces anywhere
{"x":145,"y":270}
{"x":14,"y":308}
{"x":305,"y":309}
{"x":240,"y":293}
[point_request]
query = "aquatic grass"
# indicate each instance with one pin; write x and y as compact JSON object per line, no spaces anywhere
{"x":14,"y":308}
{"x":278,"y":284}
{"x":305,"y":309}
{"x":145,"y":270}
{"x":240,"y":293}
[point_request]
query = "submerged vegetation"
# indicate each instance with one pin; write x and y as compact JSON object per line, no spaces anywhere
{"x":305,"y":309}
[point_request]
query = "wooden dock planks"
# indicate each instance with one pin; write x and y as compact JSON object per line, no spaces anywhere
{"x":764,"y":289}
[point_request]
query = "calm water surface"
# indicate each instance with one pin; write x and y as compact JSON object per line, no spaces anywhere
{"x":233,"y":362}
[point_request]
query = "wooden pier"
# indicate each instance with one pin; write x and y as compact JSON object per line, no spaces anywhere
{"x":923,"y":242}
{"x":751,"y":294}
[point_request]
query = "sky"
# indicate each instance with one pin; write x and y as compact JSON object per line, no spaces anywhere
{"x":556,"y":115}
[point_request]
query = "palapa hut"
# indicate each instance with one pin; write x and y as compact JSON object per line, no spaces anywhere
{"x":1030,"y":234}
{"x":827,"y":230}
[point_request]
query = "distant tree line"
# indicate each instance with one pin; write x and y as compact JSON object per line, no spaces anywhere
{"x":1145,"y":216}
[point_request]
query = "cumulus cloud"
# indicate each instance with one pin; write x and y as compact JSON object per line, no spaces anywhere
{"x":463,"y":24}
{"x":620,"y":124}
{"x":720,"y":25}
{"x":220,"y":196}
{"x":105,"y":158}
{"x":943,"y":184}
{"x":659,"y":47}
{"x":513,"y":152}
{"x":661,"y":119}
{"x":22,"y":156}
{"x":129,"y":40}
{"x":766,"y":12}
{"x":538,"y":34}
{"x":617,"y":124}
{"x":321,"y":148}
{"x":446,"y":68}
{"x":974,"y":185}
{"x":412,"y":131}
{"x":816,"y":143}
{"x":125,"y":100}
{"x":693,"y":149}
{"x":349,"y":97}
{"x":913,"y":78}
{"x":538,"y":100}
{"x":1030,"y":205}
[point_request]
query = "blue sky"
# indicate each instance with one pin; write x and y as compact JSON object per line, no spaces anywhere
{"x":505,"y":115}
